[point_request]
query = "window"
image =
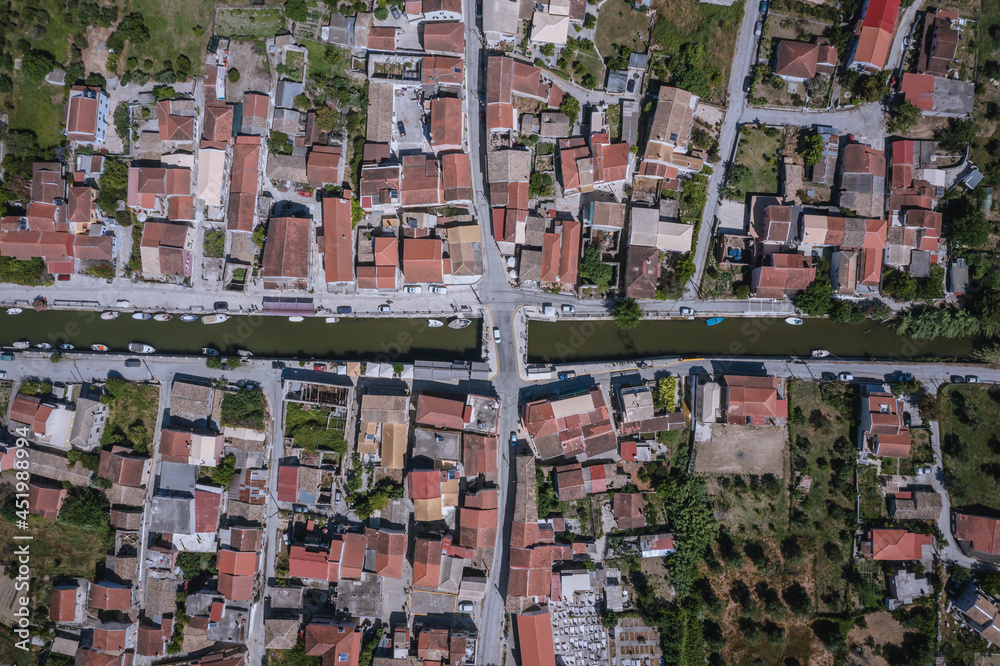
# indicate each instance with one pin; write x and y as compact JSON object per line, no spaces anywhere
{"x":673,"y":137}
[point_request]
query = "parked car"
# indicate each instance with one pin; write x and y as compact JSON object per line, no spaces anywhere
{"x":569,"y":374}
{"x":3,"y":374}
{"x":496,"y":335}
{"x":513,"y":438}
{"x":757,"y":29}
{"x":412,"y":289}
{"x":845,"y":377}
{"x":763,"y":6}
{"x":221,"y":305}
{"x":132,"y":363}
{"x":568,"y":308}
{"x":277,"y":365}
{"x":466,"y":606}
{"x":401,"y":127}
{"x":384,"y":309}
{"x":305,"y":193}
{"x":63,"y":277}
{"x":395,"y":12}
{"x":907,"y":419}
{"x":344,"y":309}
{"x":300,"y":508}
{"x":630,"y":86}
{"x":337,"y":496}
{"x":319,"y":367}
{"x":439,"y":290}
{"x":747,"y":83}
{"x":971,"y":379}
{"x":687,"y":312}
{"x":925,"y":470}
{"x":6,"y":356}
{"x":957,"y":379}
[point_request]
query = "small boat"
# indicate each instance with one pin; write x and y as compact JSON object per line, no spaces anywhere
{"x":296,"y":319}
{"x":110,"y":314}
{"x":243,"y":353}
{"x":459,"y":323}
{"x":434,"y":323}
{"x":142,"y":316}
{"x":21,"y":344}
{"x":208,"y":351}
{"x":793,"y":321}
{"x":715,"y":320}
{"x":162,"y":316}
{"x":66,"y":347}
{"x":14,"y":311}
{"x":140,"y":348}
{"x":43,"y":346}
{"x":214,"y":318}
{"x":189,"y":317}
{"x":100,"y":348}
{"x":820,"y":353}
{"x":332,"y":320}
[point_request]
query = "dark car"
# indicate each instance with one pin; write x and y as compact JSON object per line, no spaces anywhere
{"x":344,"y":309}
{"x":132,"y":363}
{"x":277,"y":365}
{"x":907,"y":419}
{"x":513,"y":438}
{"x":221,"y":305}
{"x":747,"y":83}
{"x":631,"y":85}
{"x":402,"y":128}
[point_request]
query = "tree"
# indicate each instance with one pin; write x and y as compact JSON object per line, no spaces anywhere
{"x":931,"y":288}
{"x":966,"y":223}
{"x":589,"y":21}
{"x":816,"y":300}
{"x":233,"y":75}
{"x":899,"y":286}
{"x":243,"y":408}
{"x":570,"y":106}
{"x":548,"y":49}
{"x":987,"y":309}
{"x":36,"y":65}
{"x":86,"y":507}
{"x":846,"y":312}
{"x":297,"y":10}
{"x":872,"y":88}
{"x":627,"y":313}
{"x":956,"y":135}
{"x":6,"y":84}
{"x":812,"y":148}
{"x":902,"y":116}
{"x":277,"y":143}
{"x":224,"y":472}
{"x":689,"y":71}
{"x":540,"y":185}
{"x":593,"y":270}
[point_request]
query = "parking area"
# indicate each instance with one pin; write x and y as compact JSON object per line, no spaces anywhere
{"x":406,"y":109}
{"x":742,"y":450}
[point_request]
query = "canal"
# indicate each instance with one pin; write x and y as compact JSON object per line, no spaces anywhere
{"x":601,"y":340}
{"x":396,"y":339}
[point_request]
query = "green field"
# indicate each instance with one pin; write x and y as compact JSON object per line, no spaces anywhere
{"x":133,"y":415}
{"x":314,"y":429}
{"x":38,"y":107}
{"x":618,"y":23}
{"x":970,"y":446}
{"x":758,"y":152}
{"x":249,"y":22}
{"x":172,"y":31}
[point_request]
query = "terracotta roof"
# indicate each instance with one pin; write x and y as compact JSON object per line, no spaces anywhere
{"x":288,"y":483}
{"x":420,"y":181}
{"x":642,"y":271}
{"x":82,"y":112}
{"x":796,"y":59}
{"x":390,"y":549}
{"x":110,"y":637}
{"x":424,"y":483}
{"x":786,"y":275}
{"x":442,"y":411}
{"x":122,"y":468}
{"x":237,"y":563}
{"x":423,"y":260}
{"x":303,"y":563}
{"x":628,"y":511}
{"x":80,"y":205}
{"x":218,"y":124}
{"x":753,"y":400}
{"x":339,"y":643}
{"x":255,"y":110}
{"x":444,"y":37}
{"x":338,"y":243}
{"x":875,"y":34}
{"x":236,"y":588}
{"x":442,"y":70}
{"x":478,"y":527}
{"x":571,"y":426}
{"x":323,"y":164}
{"x":286,"y":251}
{"x":180,"y":208}
{"x":173,"y":128}
{"x":456,"y":175}
{"x":245,"y":539}
{"x":918,"y":89}
{"x":108,"y":596}
{"x":479,"y":454}
{"x":897,"y":545}
{"x":207,"y":508}
{"x":62,"y":604}
{"x":982,"y":533}
{"x":426,"y":562}
{"x":446,"y":124}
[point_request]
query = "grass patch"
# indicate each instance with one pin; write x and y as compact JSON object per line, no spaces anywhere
{"x":921,"y":452}
{"x":318,"y":66}
{"x":47,"y":25}
{"x":756,"y":166}
{"x":970,"y":446}
{"x":172,"y":31}
{"x":618,"y":23}
{"x":872,"y":500}
{"x":215,"y":244}
{"x":5,"y":388}
{"x":38,"y":107}
{"x":314,"y":428}
{"x":246,"y":22}
{"x":245,"y":408}
{"x":132,"y":415}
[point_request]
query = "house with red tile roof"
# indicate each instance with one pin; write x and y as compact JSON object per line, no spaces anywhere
{"x":217,"y":127}
{"x":149,"y":187}
{"x":106,"y":595}
{"x":382,"y":38}
{"x":151,"y":640}
{"x":442,"y":71}
{"x":184,"y":445}
{"x":573,"y":426}
{"x":782,"y":276}
{"x":45,"y":498}
{"x":937,"y":95}
{"x":530,"y":571}
{"x":870,"y":51}
{"x":288,"y":483}
{"x":882,"y":430}
{"x":534,"y":638}
{"x":285,"y":264}
{"x":427,"y":552}
{"x":113,"y":636}
{"x":499,"y":104}
{"x":802,"y":61}
{"x":978,"y":536}
{"x":477,"y":520}
{"x":244,"y":176}
{"x":256,"y":108}
{"x":167,"y":249}
{"x":388,"y":549}
{"x":479,"y":454}
{"x":338,"y":239}
{"x":444,"y":37}
{"x":420,"y":181}
{"x":425,"y":491}
{"x":305,"y":562}
{"x":207,"y":509}
{"x":237,"y":570}
{"x":176,"y":128}
{"x":938,"y":43}
{"x":894,"y":545}
{"x":80,"y":209}
{"x":346,"y":559}
{"x":456,"y":177}
{"x":629,"y":512}
{"x":384,"y":274}
{"x":379,"y":186}
{"x":753,"y":400}
{"x":86,"y":117}
{"x":336,"y":642}
{"x":68,"y":603}
{"x":575,"y":481}
{"x":424,"y":261}
{"x":323,"y":165}
{"x":561,"y":253}
{"x":669,"y":134}
{"x":447,"y":121}
{"x":121,"y":466}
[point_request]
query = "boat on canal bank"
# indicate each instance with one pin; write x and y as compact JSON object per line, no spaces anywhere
{"x":214,"y":319}
{"x":141,"y":348}
{"x":110,"y":315}
{"x":142,"y":316}
{"x":162,"y":316}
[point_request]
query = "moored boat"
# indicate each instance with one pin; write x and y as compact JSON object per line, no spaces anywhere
{"x":66,"y":347}
{"x":208,"y":351}
{"x":214,"y":318}
{"x":142,"y":316}
{"x":162,"y":316}
{"x":14,"y":311}
{"x":243,"y":353}
{"x":332,"y":320}
{"x":435,"y":323}
{"x":21,"y":344}
{"x":110,"y":314}
{"x":43,"y":346}
{"x":820,"y":353}
{"x":189,"y":317}
{"x":459,"y":323}
{"x":793,"y":321}
{"x":100,"y":348}
{"x":140,"y":348}
{"x":296,"y":319}
{"x":715,"y":320}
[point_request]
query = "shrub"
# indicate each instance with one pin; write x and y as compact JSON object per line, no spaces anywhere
{"x":243,"y":408}
{"x":627,"y":313}
{"x":297,"y":10}
{"x":36,"y":65}
{"x":86,"y":507}
{"x":233,"y":75}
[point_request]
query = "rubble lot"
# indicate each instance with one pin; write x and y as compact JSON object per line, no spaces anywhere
{"x":250,"y":59}
{"x":740,"y":449}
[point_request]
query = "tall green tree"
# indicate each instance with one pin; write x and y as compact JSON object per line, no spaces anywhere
{"x":627,"y":313}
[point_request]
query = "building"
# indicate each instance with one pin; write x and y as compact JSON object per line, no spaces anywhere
{"x":86,"y":117}
{"x":648,"y":230}
{"x":628,"y":511}
{"x":753,"y":401}
{"x":237,"y":570}
{"x":424,"y":261}
{"x":534,"y":638}
{"x":337,"y":642}
{"x":285,"y":263}
{"x":167,"y":249}
{"x":894,"y":545}
{"x":574,"y":482}
{"x":256,"y":108}
{"x":447,"y":122}
{"x":547,"y":28}
{"x":444,"y":37}
{"x":938,"y":42}
{"x":782,"y":276}
{"x":904,"y":587}
{"x":657,"y":545}
{"x":915,"y":505}
{"x":420,"y":181}
{"x":384,"y":424}
{"x":870,"y":51}
{"x":45,"y":498}
{"x":981,"y":611}
{"x":477,"y":519}
{"x":802,"y":61}
{"x":669,"y":135}
{"x":323,"y":165}
{"x":244,"y":176}
{"x":338,"y":240}
{"x":979,"y":536}
{"x":500,"y":22}
{"x":571,"y":426}
{"x":882,"y":430}
{"x":937,"y":95}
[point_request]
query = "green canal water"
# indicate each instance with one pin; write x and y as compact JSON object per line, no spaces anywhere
{"x":591,"y":340}
{"x":384,"y":339}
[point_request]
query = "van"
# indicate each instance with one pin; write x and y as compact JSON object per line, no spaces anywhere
{"x":6,"y":356}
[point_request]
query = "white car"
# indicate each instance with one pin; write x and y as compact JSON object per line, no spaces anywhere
{"x":439,"y":290}
{"x":3,"y":374}
{"x":568,"y":308}
{"x":384,"y":309}
{"x":466,"y":606}
{"x":687,"y":312}
{"x":496,"y":335}
{"x":845,"y":377}
{"x":412,"y":289}
{"x":925,"y":470}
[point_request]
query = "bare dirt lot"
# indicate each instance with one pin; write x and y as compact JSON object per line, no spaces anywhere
{"x":882,"y":629}
{"x":255,"y":74}
{"x":742,"y":450}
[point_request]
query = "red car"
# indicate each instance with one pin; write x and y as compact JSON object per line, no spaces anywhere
{"x":319,"y":367}
{"x":305,"y":193}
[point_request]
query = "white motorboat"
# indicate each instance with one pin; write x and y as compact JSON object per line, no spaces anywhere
{"x":296,"y":320}
{"x":793,"y":321}
{"x":14,"y":311}
{"x":43,"y":346}
{"x":208,"y":351}
{"x":332,"y":320}
{"x":459,"y":323}
{"x":21,"y":344}
{"x":142,"y":316}
{"x":434,"y":323}
{"x":243,"y":353}
{"x":100,"y":348}
{"x":110,"y":314}
{"x":189,"y":317}
{"x":820,"y":353}
{"x":66,"y":347}
{"x":214,"y":318}
{"x":162,"y":316}
{"x":140,"y":348}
